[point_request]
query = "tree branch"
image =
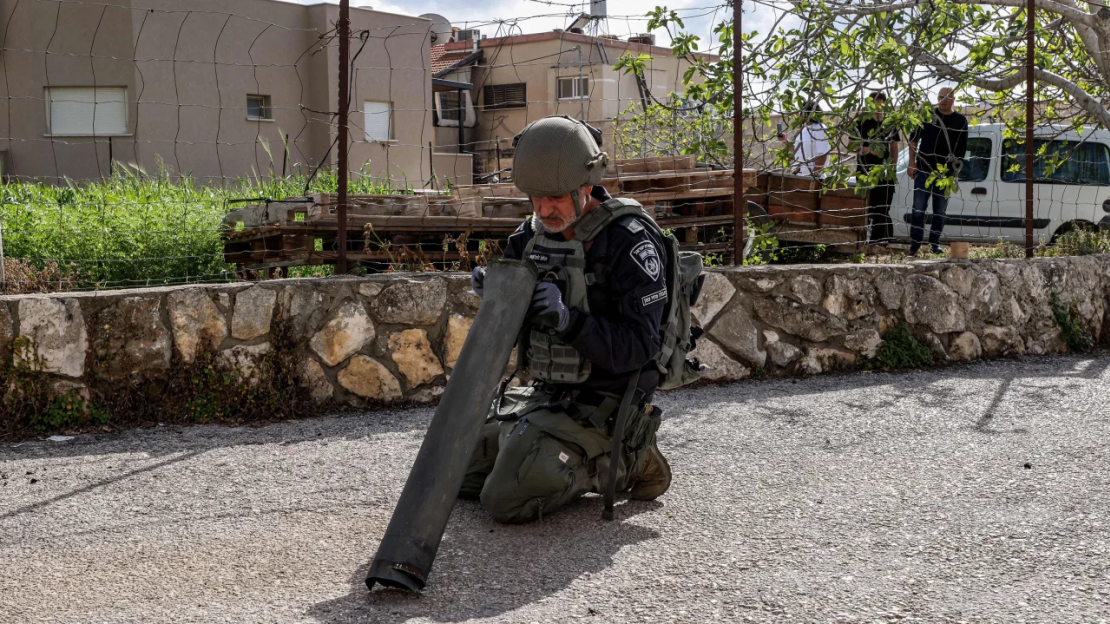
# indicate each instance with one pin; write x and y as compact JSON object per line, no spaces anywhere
{"x":1083,"y":99}
{"x":1072,"y":14}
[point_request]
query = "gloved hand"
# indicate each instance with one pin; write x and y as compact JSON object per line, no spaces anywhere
{"x":478,"y":279}
{"x":547,"y":308}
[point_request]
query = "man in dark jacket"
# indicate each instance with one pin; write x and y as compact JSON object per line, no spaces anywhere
{"x":936,"y":156}
{"x":595,"y":320}
{"x":878,"y":150}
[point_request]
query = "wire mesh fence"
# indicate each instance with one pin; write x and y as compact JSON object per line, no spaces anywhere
{"x":150,"y":143}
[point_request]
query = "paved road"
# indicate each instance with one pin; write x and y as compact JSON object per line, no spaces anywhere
{"x":977,"y":494}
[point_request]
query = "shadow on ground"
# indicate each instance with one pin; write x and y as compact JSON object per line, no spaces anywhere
{"x":199,"y":438}
{"x":480,"y":565}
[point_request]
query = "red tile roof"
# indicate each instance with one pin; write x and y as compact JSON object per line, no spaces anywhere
{"x":442,"y":58}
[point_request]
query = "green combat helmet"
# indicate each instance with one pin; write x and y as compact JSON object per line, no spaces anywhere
{"x":558,"y":155}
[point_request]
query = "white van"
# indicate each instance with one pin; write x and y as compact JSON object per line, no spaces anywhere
{"x":990,"y":202}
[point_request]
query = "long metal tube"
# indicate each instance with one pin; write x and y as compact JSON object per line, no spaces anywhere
{"x":409,"y":546}
{"x":343,"y":31}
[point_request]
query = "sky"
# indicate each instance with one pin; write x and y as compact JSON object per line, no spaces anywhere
{"x":626,"y":17}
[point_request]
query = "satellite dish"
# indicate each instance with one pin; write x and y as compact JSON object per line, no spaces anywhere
{"x":441,"y":28}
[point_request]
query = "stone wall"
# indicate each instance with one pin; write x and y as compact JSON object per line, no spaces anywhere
{"x":815,"y":319}
{"x":397,"y":337}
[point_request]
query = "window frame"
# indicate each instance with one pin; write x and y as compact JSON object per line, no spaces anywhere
{"x":49,"y":100}
{"x":391,"y":128}
{"x":989,"y":158}
{"x":442,"y":107}
{"x":267,"y":107}
{"x":488,"y":89}
{"x":1006,"y":158}
{"x":577,"y":84}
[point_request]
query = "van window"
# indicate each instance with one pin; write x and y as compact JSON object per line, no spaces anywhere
{"x":1062,"y":162}
{"x":977,"y":161}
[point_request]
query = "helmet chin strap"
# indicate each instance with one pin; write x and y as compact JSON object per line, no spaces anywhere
{"x":577,"y":206}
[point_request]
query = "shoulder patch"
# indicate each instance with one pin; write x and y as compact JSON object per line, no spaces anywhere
{"x":633,"y":225}
{"x":659,"y":295}
{"x":647,"y":258}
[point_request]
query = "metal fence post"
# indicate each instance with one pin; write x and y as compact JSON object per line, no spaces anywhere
{"x":3,"y":275}
{"x":344,"y":32}
{"x":739,"y":206}
{"x":1029,"y":31}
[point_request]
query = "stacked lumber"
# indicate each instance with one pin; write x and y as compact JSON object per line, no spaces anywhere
{"x":805,"y":212}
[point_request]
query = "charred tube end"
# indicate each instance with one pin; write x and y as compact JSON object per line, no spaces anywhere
{"x":394,"y":575}
{"x":408,"y":548}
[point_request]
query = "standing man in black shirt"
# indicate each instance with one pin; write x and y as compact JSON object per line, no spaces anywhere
{"x":938,"y":146}
{"x":878,"y":148}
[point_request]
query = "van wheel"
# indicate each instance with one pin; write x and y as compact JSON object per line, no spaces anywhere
{"x":1072,"y":226}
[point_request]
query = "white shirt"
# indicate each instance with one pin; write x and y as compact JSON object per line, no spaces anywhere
{"x":810,"y":144}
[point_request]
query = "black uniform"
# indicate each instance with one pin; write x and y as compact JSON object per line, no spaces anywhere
{"x":545,"y":445}
{"x":872,"y":136}
{"x":941,"y":140}
{"x":622,"y":331}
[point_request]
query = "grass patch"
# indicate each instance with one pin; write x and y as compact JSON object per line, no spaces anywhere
{"x":132,"y":229}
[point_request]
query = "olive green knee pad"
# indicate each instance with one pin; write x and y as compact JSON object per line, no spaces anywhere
{"x":543,"y":462}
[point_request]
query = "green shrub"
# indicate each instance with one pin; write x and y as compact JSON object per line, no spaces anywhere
{"x":1080,"y":242}
{"x":1072,"y":331}
{"x":69,"y":411}
{"x":900,"y":349}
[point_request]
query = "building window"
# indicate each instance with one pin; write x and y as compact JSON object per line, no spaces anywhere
{"x":450,"y":108}
{"x":86,"y":111}
{"x":573,"y":88}
{"x":379,"y":122}
{"x":258,"y":108}
{"x":505,"y":96}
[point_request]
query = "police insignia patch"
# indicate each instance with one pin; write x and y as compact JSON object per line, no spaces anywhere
{"x":644,"y":254}
{"x":634,"y":226}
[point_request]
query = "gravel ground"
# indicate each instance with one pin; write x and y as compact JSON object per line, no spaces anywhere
{"x":975,"y":494}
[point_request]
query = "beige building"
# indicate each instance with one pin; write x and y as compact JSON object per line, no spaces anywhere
{"x":519,"y":79}
{"x":210,"y":88}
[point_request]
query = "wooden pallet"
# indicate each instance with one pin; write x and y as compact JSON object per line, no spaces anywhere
{"x":294,"y":231}
{"x":804,"y":212}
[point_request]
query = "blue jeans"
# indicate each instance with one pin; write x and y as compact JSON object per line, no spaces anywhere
{"x":921,"y":197}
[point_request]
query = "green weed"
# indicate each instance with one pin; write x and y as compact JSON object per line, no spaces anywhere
{"x":1072,"y":331}
{"x":901,"y":350}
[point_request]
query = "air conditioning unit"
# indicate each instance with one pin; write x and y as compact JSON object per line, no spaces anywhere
{"x":647,"y":39}
{"x":471,"y":34}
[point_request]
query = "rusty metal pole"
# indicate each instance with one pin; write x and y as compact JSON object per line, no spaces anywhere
{"x":343,"y":28}
{"x":1029,"y":148}
{"x":739,"y":206}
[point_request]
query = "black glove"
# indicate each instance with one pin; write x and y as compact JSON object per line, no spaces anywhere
{"x":478,"y":279}
{"x":547,"y":308}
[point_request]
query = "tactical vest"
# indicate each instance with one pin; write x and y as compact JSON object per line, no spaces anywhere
{"x":550,"y":359}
